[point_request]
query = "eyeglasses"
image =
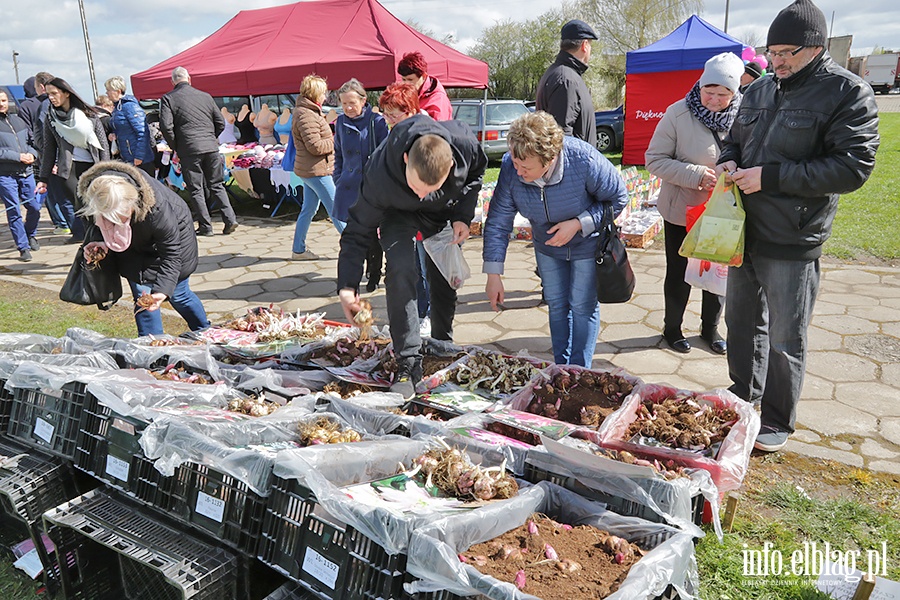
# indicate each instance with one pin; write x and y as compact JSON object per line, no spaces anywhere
{"x":784,"y":53}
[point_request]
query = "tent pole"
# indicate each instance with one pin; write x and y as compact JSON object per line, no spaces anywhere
{"x":484,"y":121}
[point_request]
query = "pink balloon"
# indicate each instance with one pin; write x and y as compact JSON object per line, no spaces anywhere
{"x":748,"y":53}
{"x":761,"y":61}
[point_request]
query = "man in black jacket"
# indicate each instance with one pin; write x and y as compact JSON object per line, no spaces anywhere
{"x":191,"y":123}
{"x":800,"y":139}
{"x":424,"y":175}
{"x":562,"y":91}
{"x":17,"y":180}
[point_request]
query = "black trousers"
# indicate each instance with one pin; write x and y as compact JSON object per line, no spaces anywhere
{"x":398,"y":232}
{"x":677,"y":292}
{"x":204,"y":176}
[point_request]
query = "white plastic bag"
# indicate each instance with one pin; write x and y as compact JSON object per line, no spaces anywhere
{"x":709,"y":276}
{"x":448,"y":257}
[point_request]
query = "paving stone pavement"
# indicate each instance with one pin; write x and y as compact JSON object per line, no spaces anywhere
{"x":850,"y":410}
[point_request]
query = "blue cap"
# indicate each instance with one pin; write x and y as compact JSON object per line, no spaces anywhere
{"x":577,"y":29}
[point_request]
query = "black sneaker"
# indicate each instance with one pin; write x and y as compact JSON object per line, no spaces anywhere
{"x":205,"y":233}
{"x":229,"y":229}
{"x":33,"y":243}
{"x":25,"y":255}
{"x":405,"y":383}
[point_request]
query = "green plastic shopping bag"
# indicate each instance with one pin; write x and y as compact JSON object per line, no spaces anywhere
{"x":718,"y":235}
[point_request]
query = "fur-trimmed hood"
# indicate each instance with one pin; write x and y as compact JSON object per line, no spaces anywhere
{"x":146,"y":198}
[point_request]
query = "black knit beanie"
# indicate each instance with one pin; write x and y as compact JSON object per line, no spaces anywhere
{"x":800,"y":24}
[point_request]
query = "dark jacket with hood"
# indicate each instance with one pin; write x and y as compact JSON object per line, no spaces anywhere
{"x":33,"y":110}
{"x":815,"y":135}
{"x":58,"y":151}
{"x":384,"y":190}
{"x":15,"y":140}
{"x":129,"y":123}
{"x":163,"y":248}
{"x":354,"y":142}
{"x":563,"y":93}
{"x":190,"y":121}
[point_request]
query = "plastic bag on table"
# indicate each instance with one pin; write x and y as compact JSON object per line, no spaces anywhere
{"x":718,"y":235}
{"x":706,"y":275}
{"x":9,"y":361}
{"x":448,"y":257}
{"x":433,"y":550}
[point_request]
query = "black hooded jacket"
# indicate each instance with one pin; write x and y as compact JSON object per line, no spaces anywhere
{"x":163,"y":248}
{"x":384,"y":189}
{"x":563,"y":93}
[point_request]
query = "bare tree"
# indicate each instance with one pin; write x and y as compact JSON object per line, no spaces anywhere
{"x":625,"y":25}
{"x":448,"y":39}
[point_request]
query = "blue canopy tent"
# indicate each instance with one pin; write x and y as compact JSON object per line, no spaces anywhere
{"x":662,"y":73}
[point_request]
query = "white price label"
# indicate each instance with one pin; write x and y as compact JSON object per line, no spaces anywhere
{"x":117,"y":467}
{"x":43,"y":429}
{"x":210,"y":506}
{"x":320,"y":567}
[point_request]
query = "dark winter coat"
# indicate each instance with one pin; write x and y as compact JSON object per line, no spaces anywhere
{"x":58,"y":151}
{"x":354,"y":141}
{"x":581,"y":187}
{"x":163,"y":248}
{"x":384,"y":189}
{"x":190,"y":121}
{"x":15,"y":140}
{"x":33,"y":110}
{"x":814,"y":135}
{"x":129,"y":123}
{"x":563,"y":93}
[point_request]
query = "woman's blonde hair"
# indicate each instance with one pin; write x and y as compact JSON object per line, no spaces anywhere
{"x":115,"y":83}
{"x":535,"y":134}
{"x":313,"y":87}
{"x":353,"y":86}
{"x":112,"y":197}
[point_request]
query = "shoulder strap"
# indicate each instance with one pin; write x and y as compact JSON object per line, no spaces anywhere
{"x":371,"y":136}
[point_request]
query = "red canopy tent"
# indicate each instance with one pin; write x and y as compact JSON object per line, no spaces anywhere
{"x":269,"y":50}
{"x":662,"y":73}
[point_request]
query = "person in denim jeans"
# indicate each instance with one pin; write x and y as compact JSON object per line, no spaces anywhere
{"x":148,"y":232}
{"x":800,"y":139}
{"x":562,"y":185}
{"x":17,"y":180}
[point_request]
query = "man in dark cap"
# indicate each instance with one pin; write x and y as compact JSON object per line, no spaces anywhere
{"x":752,"y":72}
{"x":562,"y":91}
{"x":800,"y":139}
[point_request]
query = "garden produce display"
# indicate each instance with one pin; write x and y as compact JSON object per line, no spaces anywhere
{"x":347,"y":389}
{"x":552,"y":560}
{"x":346,"y":351}
{"x":158,"y":342}
{"x":364,"y":319}
{"x":255,"y":406}
{"x":580,"y":397}
{"x":681,"y":421}
{"x":177,"y":373}
{"x":323,"y":430}
{"x":451,"y":471}
{"x":272,"y":324}
{"x":493,"y":372}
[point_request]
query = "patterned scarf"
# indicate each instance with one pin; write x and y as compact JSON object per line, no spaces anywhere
{"x":716,"y":121}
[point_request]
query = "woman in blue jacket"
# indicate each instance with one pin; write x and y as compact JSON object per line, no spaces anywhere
{"x":562,"y":186}
{"x":129,"y":123}
{"x":357,"y":133}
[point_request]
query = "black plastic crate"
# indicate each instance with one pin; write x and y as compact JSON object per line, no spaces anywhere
{"x":108,"y":448}
{"x":216,"y":503}
{"x":112,"y":549}
{"x":48,"y":419}
{"x":616,"y":504}
{"x":331,"y":560}
{"x":6,"y":398}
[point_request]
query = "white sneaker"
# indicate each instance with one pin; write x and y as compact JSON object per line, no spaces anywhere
{"x":307,"y":255}
{"x":425,"y":327}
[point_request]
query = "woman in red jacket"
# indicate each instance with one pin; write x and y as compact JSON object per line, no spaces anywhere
{"x":432,"y":96}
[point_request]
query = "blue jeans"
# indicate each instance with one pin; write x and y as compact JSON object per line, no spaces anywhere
{"x":53,"y":210}
{"x":769,"y":304}
{"x":184,"y":301}
{"x":315,"y":190}
{"x":20,"y":190}
{"x":570,"y":289}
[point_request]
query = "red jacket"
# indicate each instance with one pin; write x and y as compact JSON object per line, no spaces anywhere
{"x":433,"y":100}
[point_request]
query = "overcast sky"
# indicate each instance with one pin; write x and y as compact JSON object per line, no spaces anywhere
{"x":129,"y":36}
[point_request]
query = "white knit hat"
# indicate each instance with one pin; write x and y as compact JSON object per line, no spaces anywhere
{"x":723,"y":69}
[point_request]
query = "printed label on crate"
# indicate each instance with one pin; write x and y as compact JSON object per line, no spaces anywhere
{"x":117,"y":467}
{"x":43,"y":430}
{"x":321,"y":568}
{"x":535,"y":424}
{"x":458,"y":401}
{"x":122,"y":425}
{"x":210,"y":506}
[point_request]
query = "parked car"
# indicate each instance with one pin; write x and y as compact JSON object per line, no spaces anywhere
{"x":610,"y":129}
{"x":498,"y":114}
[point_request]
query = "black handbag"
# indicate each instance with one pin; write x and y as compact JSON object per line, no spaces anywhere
{"x":86,"y":284}
{"x":615,"y":279}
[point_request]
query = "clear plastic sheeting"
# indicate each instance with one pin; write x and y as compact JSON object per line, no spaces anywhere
{"x":239,"y":445}
{"x":88,"y":338}
{"x":285,"y":384}
{"x":27,"y":342}
{"x":139,"y":354}
{"x":9,"y":361}
{"x":326,"y":470}
{"x":137,"y":393}
{"x":433,"y":550}
{"x":37,"y":376}
{"x":371,"y":420}
{"x":671,"y":500}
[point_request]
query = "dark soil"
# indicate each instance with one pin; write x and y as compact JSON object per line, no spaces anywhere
{"x":580,"y":397}
{"x":344,"y":352}
{"x":596,"y":573}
